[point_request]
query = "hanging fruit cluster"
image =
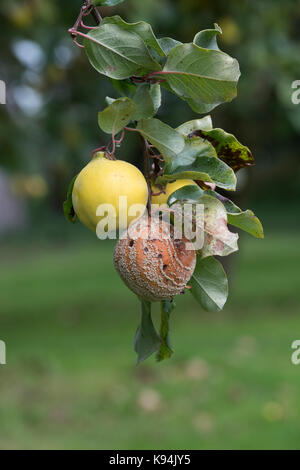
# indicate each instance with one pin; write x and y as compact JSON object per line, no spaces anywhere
{"x":183,"y":166}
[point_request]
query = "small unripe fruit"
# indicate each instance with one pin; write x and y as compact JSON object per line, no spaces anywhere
{"x":169,"y":189}
{"x":103,"y":181}
{"x":153,"y":264}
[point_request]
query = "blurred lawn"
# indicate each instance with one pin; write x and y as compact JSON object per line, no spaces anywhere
{"x":70,"y":380}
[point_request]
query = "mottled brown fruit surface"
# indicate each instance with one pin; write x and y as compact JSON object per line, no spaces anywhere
{"x":151,"y":263}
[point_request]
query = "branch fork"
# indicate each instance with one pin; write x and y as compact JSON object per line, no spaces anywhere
{"x":87,"y":9}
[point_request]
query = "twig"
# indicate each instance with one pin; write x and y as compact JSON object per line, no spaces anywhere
{"x":87,"y":27}
{"x":149,"y":153}
{"x":163,"y":191}
{"x":119,"y":141}
{"x":89,"y":9}
{"x":131,"y":129}
{"x":86,"y":9}
{"x":96,"y":15}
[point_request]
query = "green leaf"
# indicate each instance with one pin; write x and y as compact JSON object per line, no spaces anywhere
{"x":198,"y":161}
{"x":155,"y":93}
{"x":245,"y":220}
{"x":204,"y":78}
{"x":168,"y":141}
{"x":106,"y":3}
{"x":228,"y":148}
{"x":209,"y":169}
{"x":209,"y":284}
{"x":229,"y":205}
{"x":142,"y":29}
{"x":119,"y":113}
{"x":124,"y":87}
{"x":147,"y":100}
{"x":165,"y":350}
{"x":193,"y":147}
{"x":190,"y":192}
{"x":146,"y":97}
{"x":248,"y":222}
{"x":147,"y":341}
{"x":68,"y":204}
{"x":208,"y":38}
{"x":189,"y":127}
{"x":167,"y":44}
{"x":118,"y":53}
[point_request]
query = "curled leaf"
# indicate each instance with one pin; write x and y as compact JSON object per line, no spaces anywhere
{"x":248,"y":222}
{"x":208,"y":38}
{"x":165,"y":350}
{"x":189,"y":127}
{"x":204,"y":78}
{"x":117,"y":115}
{"x":147,"y":341}
{"x":68,"y":204}
{"x":228,"y":148}
{"x":141,"y":28}
{"x":198,"y":161}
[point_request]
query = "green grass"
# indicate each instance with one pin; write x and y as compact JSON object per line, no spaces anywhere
{"x":70,"y":380}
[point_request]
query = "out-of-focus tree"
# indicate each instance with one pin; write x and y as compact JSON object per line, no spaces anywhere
{"x":265,"y":38}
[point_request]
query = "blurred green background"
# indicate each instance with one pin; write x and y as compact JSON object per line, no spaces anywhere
{"x":68,"y":321}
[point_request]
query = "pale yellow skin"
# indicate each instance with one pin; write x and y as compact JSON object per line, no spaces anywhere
{"x":103,"y":181}
{"x":170,"y":188}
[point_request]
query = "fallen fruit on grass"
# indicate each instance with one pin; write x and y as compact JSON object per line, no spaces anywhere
{"x":169,"y":189}
{"x":104,"y":181}
{"x":153,"y":264}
